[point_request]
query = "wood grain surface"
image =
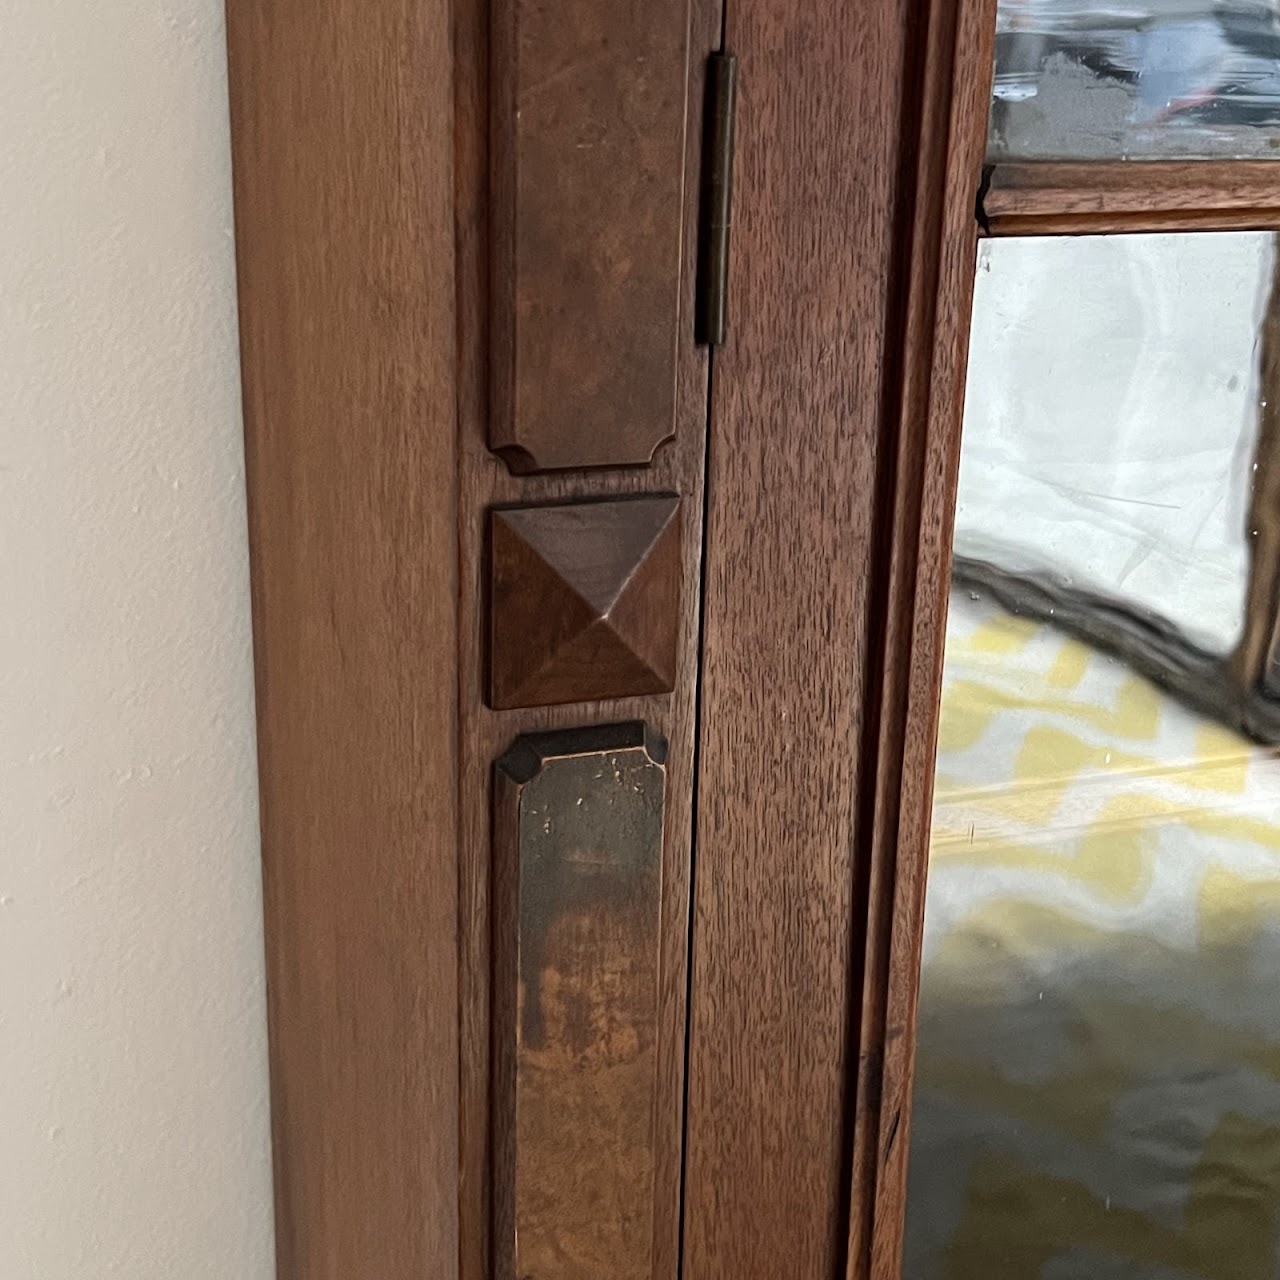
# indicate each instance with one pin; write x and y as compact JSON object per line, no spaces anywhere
{"x":836,"y":407}
{"x":341,"y":125}
{"x":584,"y":601}
{"x":942,"y":147}
{"x":486,"y":734}
{"x":796,"y":400}
{"x":588,"y":190}
{"x":369,"y":503}
{"x":577,"y":920}
{"x":1050,"y":198}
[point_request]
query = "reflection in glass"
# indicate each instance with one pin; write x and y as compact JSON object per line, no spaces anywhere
{"x":1098,"y":1072}
{"x":1142,"y":80}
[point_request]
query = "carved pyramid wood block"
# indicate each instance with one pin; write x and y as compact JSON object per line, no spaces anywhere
{"x":584,"y":601}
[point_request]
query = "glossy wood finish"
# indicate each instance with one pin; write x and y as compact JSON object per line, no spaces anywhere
{"x":345,"y":238}
{"x":1048,"y":198}
{"x":577,"y":931}
{"x":916,"y":509}
{"x":588,"y":183}
{"x":484,"y":483}
{"x":584,"y":601}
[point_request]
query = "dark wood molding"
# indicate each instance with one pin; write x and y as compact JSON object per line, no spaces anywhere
{"x":342,"y":139}
{"x":484,"y":483}
{"x":1051,"y":198}
{"x":916,"y":509}
{"x":794,"y":413}
{"x":835,"y":417}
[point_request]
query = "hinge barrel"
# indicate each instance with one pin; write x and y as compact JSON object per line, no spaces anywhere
{"x":717,"y":193}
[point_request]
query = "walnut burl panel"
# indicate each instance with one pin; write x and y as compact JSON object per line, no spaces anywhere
{"x":578,"y":879}
{"x":588,"y":185}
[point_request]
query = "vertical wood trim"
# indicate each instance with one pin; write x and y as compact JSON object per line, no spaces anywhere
{"x":343,"y":154}
{"x":485,"y":483}
{"x":835,"y":424}
{"x":944,"y":145}
{"x":796,"y":394}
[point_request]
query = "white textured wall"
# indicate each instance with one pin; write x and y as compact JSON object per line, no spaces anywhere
{"x":133,"y":1099}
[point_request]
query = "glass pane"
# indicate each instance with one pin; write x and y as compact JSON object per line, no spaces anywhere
{"x":1098,"y":1074}
{"x":1150,"y":79}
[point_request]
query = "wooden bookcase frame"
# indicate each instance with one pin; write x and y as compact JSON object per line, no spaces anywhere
{"x":822,"y":444}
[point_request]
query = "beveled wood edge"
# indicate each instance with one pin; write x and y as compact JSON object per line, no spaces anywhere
{"x":349,"y":388}
{"x":485,"y":483}
{"x":915,"y":515}
{"x":1043,"y":197}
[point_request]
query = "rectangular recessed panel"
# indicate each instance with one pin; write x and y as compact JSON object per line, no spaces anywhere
{"x":1151,"y":79}
{"x":578,"y":884}
{"x":588,"y":197}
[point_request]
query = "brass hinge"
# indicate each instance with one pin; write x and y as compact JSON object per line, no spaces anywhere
{"x":717,"y":192}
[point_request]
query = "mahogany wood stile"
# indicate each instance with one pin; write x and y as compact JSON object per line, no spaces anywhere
{"x":793,"y":426}
{"x":924,"y":410}
{"x":835,"y":418}
{"x":485,"y":484}
{"x":345,"y":251}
